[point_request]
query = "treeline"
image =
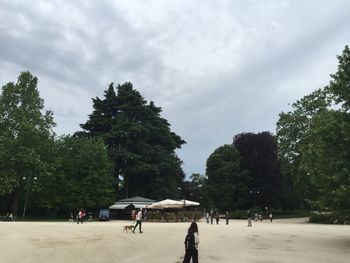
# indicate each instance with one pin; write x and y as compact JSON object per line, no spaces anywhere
{"x":125,"y":148}
{"x":305,"y":165}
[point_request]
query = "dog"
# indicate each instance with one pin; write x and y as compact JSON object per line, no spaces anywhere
{"x":128,"y":227}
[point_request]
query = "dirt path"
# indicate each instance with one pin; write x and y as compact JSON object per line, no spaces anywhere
{"x":280,"y":241}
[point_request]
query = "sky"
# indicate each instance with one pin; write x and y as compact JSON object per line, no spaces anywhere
{"x":216,"y":68}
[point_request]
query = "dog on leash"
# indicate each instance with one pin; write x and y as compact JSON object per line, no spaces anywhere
{"x":128,"y":227}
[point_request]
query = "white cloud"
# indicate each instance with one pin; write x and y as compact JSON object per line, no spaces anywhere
{"x":217,"y":68}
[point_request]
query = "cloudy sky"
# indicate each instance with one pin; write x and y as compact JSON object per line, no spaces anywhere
{"x":217,"y":68}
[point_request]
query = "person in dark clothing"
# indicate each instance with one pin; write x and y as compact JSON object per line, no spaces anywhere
{"x":191,"y":244}
{"x":217,"y":217}
{"x":249,"y":215}
{"x":227,"y":217}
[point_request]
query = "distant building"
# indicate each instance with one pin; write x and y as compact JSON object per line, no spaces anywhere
{"x":124,"y":208}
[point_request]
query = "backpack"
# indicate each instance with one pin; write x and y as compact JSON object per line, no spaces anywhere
{"x":190,"y":242}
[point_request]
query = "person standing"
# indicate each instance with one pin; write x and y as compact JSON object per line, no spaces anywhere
{"x":138,"y":221}
{"x":217,"y":218}
{"x":249,"y":215}
{"x":227,"y":217}
{"x":191,"y":244}
{"x":271,"y":217}
{"x":207,"y":217}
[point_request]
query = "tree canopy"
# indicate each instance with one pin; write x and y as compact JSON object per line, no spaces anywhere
{"x":140,"y":143}
{"x":259,"y":157}
{"x":314,"y":144}
{"x":227,"y":183}
{"x":26,"y":136}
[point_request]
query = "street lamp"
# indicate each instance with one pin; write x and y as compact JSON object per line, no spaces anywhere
{"x":29,"y":180}
{"x":254,"y":192}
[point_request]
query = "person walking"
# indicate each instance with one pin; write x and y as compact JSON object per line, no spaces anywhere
{"x":227,"y":217}
{"x":80,"y":216}
{"x":217,"y":218}
{"x":271,"y":217}
{"x":191,"y":244}
{"x":207,"y":217}
{"x":138,"y":221}
{"x":249,"y":218}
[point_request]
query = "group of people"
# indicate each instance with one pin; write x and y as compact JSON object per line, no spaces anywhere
{"x":210,"y":217}
{"x":192,"y":237}
{"x":79,"y":217}
{"x":257,"y":217}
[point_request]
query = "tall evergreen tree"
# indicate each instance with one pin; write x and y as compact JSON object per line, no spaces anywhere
{"x":140,"y":142}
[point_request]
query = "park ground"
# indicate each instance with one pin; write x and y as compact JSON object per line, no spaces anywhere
{"x":284,"y":240}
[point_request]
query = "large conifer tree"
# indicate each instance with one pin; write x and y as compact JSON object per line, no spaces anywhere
{"x":140,"y":143}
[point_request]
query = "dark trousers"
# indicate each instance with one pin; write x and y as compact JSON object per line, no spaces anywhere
{"x":191,"y":253}
{"x":138,"y":223}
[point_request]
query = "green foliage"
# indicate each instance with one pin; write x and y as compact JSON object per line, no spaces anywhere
{"x":196,"y":189}
{"x":314,"y":143}
{"x":339,"y":85}
{"x":259,"y":157}
{"x":227,"y":184}
{"x":238,"y":214}
{"x":26,"y":136}
{"x":140,"y":143}
{"x":83,"y":177}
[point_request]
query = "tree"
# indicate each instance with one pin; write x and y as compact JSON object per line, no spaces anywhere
{"x":293,"y":131}
{"x":227,"y":183}
{"x":314,"y":142}
{"x":339,"y":84}
{"x":83,"y":177}
{"x":26,"y":136}
{"x":196,"y":189}
{"x":140,"y":142}
{"x":325,"y":156}
{"x":259,"y":157}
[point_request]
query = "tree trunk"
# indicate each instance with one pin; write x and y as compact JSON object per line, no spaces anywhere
{"x":126,"y":178}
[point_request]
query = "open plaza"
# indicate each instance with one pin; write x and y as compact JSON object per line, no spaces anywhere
{"x":284,"y":240}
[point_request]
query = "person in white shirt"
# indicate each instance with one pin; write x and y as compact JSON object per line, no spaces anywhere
{"x":138,"y":221}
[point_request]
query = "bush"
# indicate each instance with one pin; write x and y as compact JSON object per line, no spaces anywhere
{"x":321,"y":218}
{"x":169,"y":216}
{"x":329,"y":218}
{"x":238,"y":214}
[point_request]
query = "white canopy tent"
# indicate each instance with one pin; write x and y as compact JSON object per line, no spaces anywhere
{"x":169,"y":203}
{"x":186,"y":203}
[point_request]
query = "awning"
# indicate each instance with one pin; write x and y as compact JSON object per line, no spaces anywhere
{"x":118,"y":206}
{"x":167,"y":203}
{"x":189,"y":203}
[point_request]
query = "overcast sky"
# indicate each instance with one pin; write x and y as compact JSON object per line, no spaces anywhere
{"x":217,"y":68}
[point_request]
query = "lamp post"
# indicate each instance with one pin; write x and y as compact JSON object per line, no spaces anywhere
{"x":254,"y":192}
{"x":29,"y":180}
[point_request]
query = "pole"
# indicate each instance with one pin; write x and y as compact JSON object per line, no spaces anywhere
{"x":25,"y":202}
{"x":27,"y":193}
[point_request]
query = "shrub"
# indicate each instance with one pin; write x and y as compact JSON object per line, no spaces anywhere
{"x":238,"y":214}
{"x":169,"y":216}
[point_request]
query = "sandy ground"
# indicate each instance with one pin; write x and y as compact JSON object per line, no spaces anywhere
{"x":280,"y":241}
